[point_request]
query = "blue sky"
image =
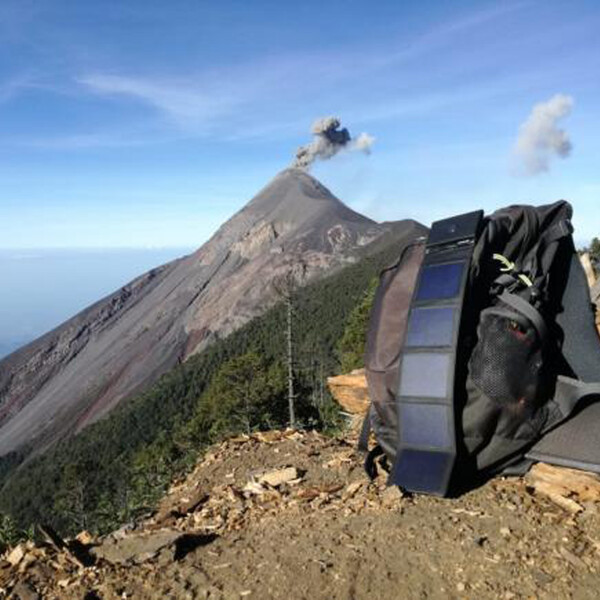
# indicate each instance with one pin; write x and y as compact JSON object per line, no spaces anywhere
{"x":148,"y":123}
{"x":43,"y":288}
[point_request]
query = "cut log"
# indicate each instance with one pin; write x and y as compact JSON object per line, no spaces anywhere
{"x":567,"y":488}
{"x":350,"y":391}
{"x":593,"y":282}
{"x":588,"y":268}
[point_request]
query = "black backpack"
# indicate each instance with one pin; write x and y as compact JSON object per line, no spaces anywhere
{"x":525,"y":356}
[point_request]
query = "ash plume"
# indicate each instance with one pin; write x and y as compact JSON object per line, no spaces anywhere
{"x":540,"y":138}
{"x":328,"y":140}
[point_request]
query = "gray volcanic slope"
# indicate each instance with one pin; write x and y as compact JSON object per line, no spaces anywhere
{"x":78,"y":372}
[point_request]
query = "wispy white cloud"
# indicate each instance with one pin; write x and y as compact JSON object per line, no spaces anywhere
{"x":237,"y":101}
{"x":439,"y":36}
{"x":189,"y":104}
{"x":84,"y":141}
{"x":12,"y":87}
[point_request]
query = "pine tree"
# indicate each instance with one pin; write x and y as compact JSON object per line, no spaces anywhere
{"x":243,"y":396}
{"x":351,"y":347}
{"x":595,"y":252}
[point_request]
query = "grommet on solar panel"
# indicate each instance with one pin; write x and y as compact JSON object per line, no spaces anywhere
{"x":426,"y":450}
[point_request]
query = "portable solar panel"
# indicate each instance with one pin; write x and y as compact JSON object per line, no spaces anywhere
{"x":426,"y":450}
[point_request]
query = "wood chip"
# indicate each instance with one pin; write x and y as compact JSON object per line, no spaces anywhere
{"x":85,"y":537}
{"x":15,"y":556}
{"x":351,"y":489}
{"x":571,"y":558}
{"x":391,"y":496}
{"x":279,"y":476}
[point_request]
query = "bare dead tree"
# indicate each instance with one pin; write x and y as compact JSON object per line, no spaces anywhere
{"x":285,"y":287}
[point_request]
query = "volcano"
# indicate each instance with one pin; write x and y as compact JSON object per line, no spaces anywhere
{"x":78,"y":372}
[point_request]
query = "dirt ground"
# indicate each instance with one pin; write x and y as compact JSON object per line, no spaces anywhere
{"x":291,"y":515}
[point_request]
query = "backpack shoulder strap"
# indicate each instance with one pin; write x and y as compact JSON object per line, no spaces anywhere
{"x":365,"y":431}
{"x":363,"y":446}
{"x":527,"y":309}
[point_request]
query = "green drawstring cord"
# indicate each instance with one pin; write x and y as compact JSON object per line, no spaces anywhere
{"x":510,"y":266}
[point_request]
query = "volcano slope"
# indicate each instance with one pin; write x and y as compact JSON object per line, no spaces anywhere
{"x":292,"y":515}
{"x":77,"y":373}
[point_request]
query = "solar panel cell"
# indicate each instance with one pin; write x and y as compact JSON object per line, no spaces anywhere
{"x":425,"y":425}
{"x":425,"y":375}
{"x":422,"y":471}
{"x":440,"y":282}
{"x":431,"y":327}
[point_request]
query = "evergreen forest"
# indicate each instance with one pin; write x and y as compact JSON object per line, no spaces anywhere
{"x":118,"y":468}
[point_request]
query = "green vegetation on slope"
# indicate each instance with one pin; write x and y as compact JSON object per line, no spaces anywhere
{"x":594,"y":251}
{"x":10,"y":534}
{"x":117,"y":468}
{"x":351,"y":347}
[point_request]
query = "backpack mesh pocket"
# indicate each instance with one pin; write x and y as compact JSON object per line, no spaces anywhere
{"x":507,"y":361}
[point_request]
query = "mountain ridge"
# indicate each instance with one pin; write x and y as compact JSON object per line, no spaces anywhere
{"x":81,"y":370}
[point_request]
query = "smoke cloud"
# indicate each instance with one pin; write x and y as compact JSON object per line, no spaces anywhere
{"x":540,"y":139}
{"x":328,"y":140}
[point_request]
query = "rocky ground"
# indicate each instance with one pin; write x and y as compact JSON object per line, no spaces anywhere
{"x":291,"y":515}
